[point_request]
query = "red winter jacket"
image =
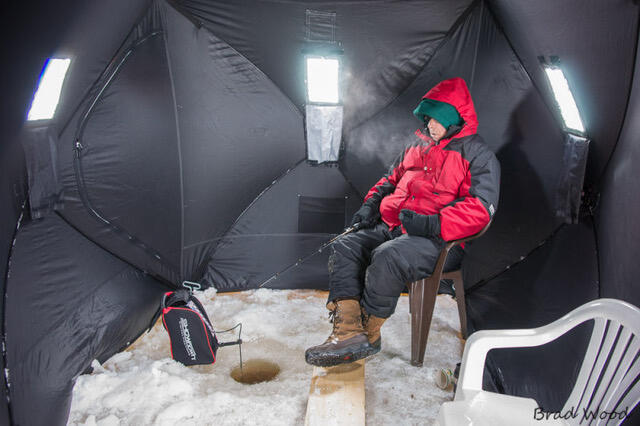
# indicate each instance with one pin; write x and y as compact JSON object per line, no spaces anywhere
{"x":457,"y":178}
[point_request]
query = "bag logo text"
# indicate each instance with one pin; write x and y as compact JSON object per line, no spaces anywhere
{"x":186,"y":338}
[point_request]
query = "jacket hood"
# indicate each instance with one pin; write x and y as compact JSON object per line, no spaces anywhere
{"x":455,"y":92}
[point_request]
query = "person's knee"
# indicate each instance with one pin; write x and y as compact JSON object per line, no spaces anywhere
{"x":381,"y":300}
{"x":346,"y":249}
{"x":387,"y":260}
{"x":383,"y":254}
{"x":384,"y":279}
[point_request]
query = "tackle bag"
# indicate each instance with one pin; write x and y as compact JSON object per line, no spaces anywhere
{"x":192,"y":338}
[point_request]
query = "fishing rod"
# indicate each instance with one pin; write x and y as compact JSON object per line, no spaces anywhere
{"x":347,"y":231}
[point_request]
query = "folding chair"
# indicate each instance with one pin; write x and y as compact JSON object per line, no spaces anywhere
{"x":422,"y":299}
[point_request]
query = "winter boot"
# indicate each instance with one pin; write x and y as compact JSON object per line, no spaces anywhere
{"x":347,"y":342}
{"x":372,"y":324}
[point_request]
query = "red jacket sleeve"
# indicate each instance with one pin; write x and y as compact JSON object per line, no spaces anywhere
{"x":478,"y":198}
{"x":387,"y":184}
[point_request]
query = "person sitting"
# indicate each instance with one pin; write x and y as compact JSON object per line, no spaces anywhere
{"x":444,"y":187}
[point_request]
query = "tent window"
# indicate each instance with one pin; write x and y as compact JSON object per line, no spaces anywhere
{"x":323,"y":110}
{"x":322,"y":76}
{"x":564,"y":98}
{"x":322,"y":80}
{"x":46,"y":98}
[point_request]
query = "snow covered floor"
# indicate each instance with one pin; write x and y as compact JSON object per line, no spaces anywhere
{"x":144,"y":386}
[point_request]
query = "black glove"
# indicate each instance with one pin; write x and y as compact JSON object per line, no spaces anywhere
{"x":368,"y":215}
{"x":420,"y":224}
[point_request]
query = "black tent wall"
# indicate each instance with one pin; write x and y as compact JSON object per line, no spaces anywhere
{"x":214,"y":133}
{"x":70,"y":303}
{"x":582,"y":34}
{"x":23,"y":50}
{"x":30,"y":34}
{"x":272,"y":234}
{"x":618,"y":228}
{"x":189,"y":117}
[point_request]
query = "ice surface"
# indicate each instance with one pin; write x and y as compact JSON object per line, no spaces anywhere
{"x":144,"y":386}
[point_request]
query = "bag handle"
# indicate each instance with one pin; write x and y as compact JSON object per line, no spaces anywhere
{"x":170,"y":298}
{"x":173,"y":297}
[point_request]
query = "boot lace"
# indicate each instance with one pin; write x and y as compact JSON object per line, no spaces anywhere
{"x":332,"y":320}
{"x":364,"y":317}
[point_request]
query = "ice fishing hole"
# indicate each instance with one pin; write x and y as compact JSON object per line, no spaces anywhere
{"x":255,"y":371}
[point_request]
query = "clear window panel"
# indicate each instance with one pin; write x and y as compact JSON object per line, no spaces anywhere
{"x":46,"y":98}
{"x":322,"y":80}
{"x":564,"y":98}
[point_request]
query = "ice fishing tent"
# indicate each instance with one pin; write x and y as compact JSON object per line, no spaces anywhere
{"x":184,"y":147}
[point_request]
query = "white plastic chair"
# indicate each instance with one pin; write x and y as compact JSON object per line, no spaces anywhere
{"x":606,"y":381}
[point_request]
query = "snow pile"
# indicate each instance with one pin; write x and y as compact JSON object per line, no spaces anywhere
{"x":144,"y":386}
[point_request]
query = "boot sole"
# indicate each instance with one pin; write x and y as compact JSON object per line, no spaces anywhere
{"x":345,"y":356}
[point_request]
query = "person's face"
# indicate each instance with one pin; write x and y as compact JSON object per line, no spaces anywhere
{"x":436,"y":130}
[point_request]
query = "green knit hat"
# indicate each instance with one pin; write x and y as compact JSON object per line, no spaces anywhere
{"x":446,"y":114}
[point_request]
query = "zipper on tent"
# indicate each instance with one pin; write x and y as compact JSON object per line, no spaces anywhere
{"x":77,"y":161}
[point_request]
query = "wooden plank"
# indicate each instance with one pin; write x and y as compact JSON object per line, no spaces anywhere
{"x":336,"y":396}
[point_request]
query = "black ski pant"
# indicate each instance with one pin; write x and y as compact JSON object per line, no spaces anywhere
{"x":375,"y":264}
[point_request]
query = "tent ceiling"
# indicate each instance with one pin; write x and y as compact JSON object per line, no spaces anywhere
{"x":385,"y":43}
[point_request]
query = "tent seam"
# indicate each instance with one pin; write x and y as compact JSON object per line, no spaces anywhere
{"x":117,"y":256}
{"x":87,"y":92}
{"x":193,"y":19}
{"x":263,"y":192}
{"x":346,"y":179}
{"x":484,"y":281}
{"x":594,"y":227}
{"x":270,"y":235}
{"x":211,"y":252}
{"x":475,"y":51}
{"x":4,"y":312}
{"x":79,"y":173}
{"x":179,"y":146}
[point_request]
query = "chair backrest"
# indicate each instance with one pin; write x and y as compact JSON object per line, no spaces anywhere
{"x":442,"y":258}
{"x":452,"y":243}
{"x":607,"y":381}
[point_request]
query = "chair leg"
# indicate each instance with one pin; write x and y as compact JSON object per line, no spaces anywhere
{"x":422,"y":301}
{"x":458,"y":284}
